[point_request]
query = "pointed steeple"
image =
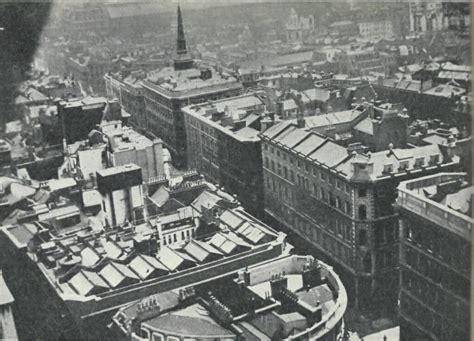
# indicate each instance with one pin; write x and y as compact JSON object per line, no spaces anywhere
{"x":181,"y":43}
{"x":182,"y":61}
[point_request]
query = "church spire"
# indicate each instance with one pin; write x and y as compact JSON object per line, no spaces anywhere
{"x":181,"y":46}
{"x":182,"y":61}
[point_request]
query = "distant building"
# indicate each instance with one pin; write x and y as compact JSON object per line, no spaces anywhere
{"x":426,"y":16}
{"x":340,"y":199}
{"x":168,"y":90}
{"x":435,"y":257}
{"x":345,"y":28}
{"x":359,"y":61}
{"x":376,"y":29}
{"x":292,"y":298}
{"x":224,"y":146}
{"x":299,"y":28}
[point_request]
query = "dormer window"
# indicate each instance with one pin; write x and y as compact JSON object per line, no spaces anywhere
{"x":434,"y":159}
{"x":419,"y":162}
{"x":403,"y":165}
{"x":388,"y":168}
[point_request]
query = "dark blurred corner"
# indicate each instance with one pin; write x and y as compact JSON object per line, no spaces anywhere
{"x":21,"y":24}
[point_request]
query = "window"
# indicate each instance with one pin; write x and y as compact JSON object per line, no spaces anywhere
{"x":306,"y":168}
{"x":272,"y":150}
{"x":331,"y":180}
{"x":298,"y":163}
{"x":315,"y":172}
{"x":362,"y":212}
{"x":144,"y":333}
{"x":266,"y":162}
{"x":419,"y":162}
{"x":315,"y":189}
{"x":175,"y":238}
{"x":362,"y":192}
{"x":292,"y":176}
{"x":265,"y":146}
{"x":387,"y":168}
{"x":157,"y":337}
{"x":322,"y":176}
{"x":338,"y":203}
{"x":434,"y":159}
{"x":285,"y":172}
{"x":362,"y":237}
{"x":403,"y":165}
{"x":273,"y":166}
{"x":348,"y":208}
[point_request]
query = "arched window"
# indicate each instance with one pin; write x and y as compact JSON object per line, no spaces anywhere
{"x":362,"y":237}
{"x":367,"y":263}
{"x":362,"y":212}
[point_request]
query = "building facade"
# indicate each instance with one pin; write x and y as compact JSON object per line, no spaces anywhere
{"x":376,"y":29}
{"x":435,"y":257}
{"x":427,"y":17}
{"x":128,"y":90}
{"x":298,"y":28}
{"x":224,"y":146}
{"x":122,"y":193}
{"x":340,"y":199}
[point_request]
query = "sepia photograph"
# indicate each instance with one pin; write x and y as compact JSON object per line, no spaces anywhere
{"x":240,"y":170}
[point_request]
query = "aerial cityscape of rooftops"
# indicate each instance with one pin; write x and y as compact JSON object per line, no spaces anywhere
{"x":242,"y":171}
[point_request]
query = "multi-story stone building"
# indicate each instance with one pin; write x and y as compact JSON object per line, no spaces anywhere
{"x":126,"y":146}
{"x":128,"y":90}
{"x":359,"y":61}
{"x":298,"y":28}
{"x":426,"y":16}
{"x":435,"y":257}
{"x":77,"y":117}
{"x":340,"y":199}
{"x":224,"y":146}
{"x":376,"y":29}
{"x":167,"y":90}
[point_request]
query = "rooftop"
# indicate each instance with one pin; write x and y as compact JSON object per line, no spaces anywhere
{"x":444,"y":198}
{"x":236,"y":116}
{"x":302,"y":295}
{"x":189,"y":82}
{"x":327,"y":153}
{"x":118,"y":170}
